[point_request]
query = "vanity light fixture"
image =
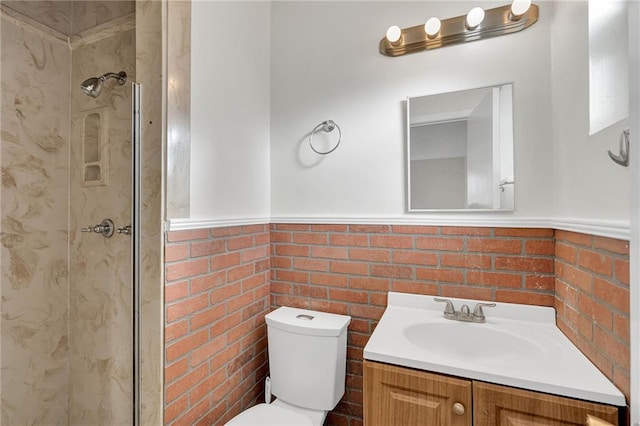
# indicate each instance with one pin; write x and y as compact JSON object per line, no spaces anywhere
{"x":478,"y":24}
{"x":519,"y":8}
{"x":432,"y":27}
{"x":474,"y":18}
{"x":394,"y":34}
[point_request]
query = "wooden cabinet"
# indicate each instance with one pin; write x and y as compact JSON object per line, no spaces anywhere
{"x":495,"y":405}
{"x":398,"y":396}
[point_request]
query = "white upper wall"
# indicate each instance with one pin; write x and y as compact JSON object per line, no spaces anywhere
{"x":230,"y":60}
{"x":326,"y":65}
{"x":257,"y":93}
{"x":588,"y":184}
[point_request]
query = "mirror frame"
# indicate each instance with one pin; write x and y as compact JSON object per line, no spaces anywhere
{"x":408,"y":152}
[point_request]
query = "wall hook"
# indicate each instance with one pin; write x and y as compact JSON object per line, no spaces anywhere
{"x":623,"y":158}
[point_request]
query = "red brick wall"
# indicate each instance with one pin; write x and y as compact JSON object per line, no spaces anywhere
{"x":592,"y":300}
{"x":349,"y":269}
{"x":216,"y":296}
{"x":217,"y":288}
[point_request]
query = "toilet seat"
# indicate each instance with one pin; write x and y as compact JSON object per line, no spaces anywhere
{"x":270,"y":415}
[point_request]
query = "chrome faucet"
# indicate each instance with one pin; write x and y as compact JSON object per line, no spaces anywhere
{"x":464,"y":314}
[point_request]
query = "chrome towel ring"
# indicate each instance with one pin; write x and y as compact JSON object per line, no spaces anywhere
{"x":325,"y":126}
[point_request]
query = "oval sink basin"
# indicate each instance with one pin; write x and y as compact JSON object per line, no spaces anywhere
{"x":468,"y":341}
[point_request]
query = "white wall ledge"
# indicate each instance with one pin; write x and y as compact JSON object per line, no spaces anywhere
{"x":611,"y":229}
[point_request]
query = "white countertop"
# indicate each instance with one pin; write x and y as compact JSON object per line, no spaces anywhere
{"x":534,"y":354}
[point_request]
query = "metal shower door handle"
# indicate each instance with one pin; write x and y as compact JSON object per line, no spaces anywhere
{"x":126,"y":230}
{"x":105,"y":228}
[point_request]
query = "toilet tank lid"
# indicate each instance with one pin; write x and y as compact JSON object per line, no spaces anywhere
{"x":304,"y":321}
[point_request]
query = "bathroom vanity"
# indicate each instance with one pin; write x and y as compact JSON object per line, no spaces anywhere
{"x":513,"y":368}
{"x":402,"y":396}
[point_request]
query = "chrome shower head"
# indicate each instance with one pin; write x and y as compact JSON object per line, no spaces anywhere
{"x":93,"y":86}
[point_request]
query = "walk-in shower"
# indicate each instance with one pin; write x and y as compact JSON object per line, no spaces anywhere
{"x":70,"y":189}
{"x":93,"y":86}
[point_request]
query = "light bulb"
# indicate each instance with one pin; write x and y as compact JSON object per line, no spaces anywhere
{"x":474,"y":18}
{"x":432,"y":27}
{"x":394,"y":33}
{"x":519,"y":8}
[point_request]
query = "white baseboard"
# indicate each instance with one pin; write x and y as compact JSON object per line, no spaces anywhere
{"x":190,"y":224}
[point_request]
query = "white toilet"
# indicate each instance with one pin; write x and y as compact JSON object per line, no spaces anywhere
{"x":307,"y":367}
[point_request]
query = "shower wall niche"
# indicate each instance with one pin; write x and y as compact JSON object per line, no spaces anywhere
{"x":95,"y":147}
{"x":66,"y":325}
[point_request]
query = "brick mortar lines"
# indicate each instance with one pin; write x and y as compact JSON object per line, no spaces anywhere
{"x":414,"y":235}
{"x":209,"y":271}
{"x":376,"y":230}
{"x":592,"y":295}
{"x":350,"y":407}
{"x":579,"y":302}
{"x":609,"y":279}
{"x":612,"y":278}
{"x":328,"y":238}
{"x":259,"y":238}
{"x":366,"y":325}
{"x":587,"y":345}
{"x":576,"y":329}
{"x":463,"y":251}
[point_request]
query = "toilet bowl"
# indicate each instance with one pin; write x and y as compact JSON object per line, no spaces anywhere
{"x":307,"y":368}
{"x":278,"y":413}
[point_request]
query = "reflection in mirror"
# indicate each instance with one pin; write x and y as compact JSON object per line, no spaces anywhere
{"x":460,"y":150}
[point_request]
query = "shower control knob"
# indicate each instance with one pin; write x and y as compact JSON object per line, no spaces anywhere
{"x":126,"y":230}
{"x":105,"y":228}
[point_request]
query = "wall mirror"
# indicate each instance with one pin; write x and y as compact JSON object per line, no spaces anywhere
{"x":460,"y":150}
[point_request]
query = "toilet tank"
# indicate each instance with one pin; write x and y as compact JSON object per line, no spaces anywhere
{"x":307,"y":356}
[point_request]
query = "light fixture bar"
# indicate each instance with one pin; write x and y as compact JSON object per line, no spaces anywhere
{"x":498,"y":21}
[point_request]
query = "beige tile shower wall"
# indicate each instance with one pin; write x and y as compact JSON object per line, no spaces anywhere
{"x":55,"y":14}
{"x":179,"y":108}
{"x":34,"y":275}
{"x":72,"y":17}
{"x":150,"y":33}
{"x":100,"y":308}
{"x":90,"y":14}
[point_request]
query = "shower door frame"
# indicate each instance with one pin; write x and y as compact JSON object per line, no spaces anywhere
{"x":136,"y":166}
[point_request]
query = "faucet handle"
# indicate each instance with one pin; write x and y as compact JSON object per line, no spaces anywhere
{"x":464,"y":311}
{"x":478,"y":313}
{"x":449,"y":309}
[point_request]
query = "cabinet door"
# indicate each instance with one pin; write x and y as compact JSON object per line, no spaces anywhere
{"x":495,"y":405}
{"x":396,"y":396}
